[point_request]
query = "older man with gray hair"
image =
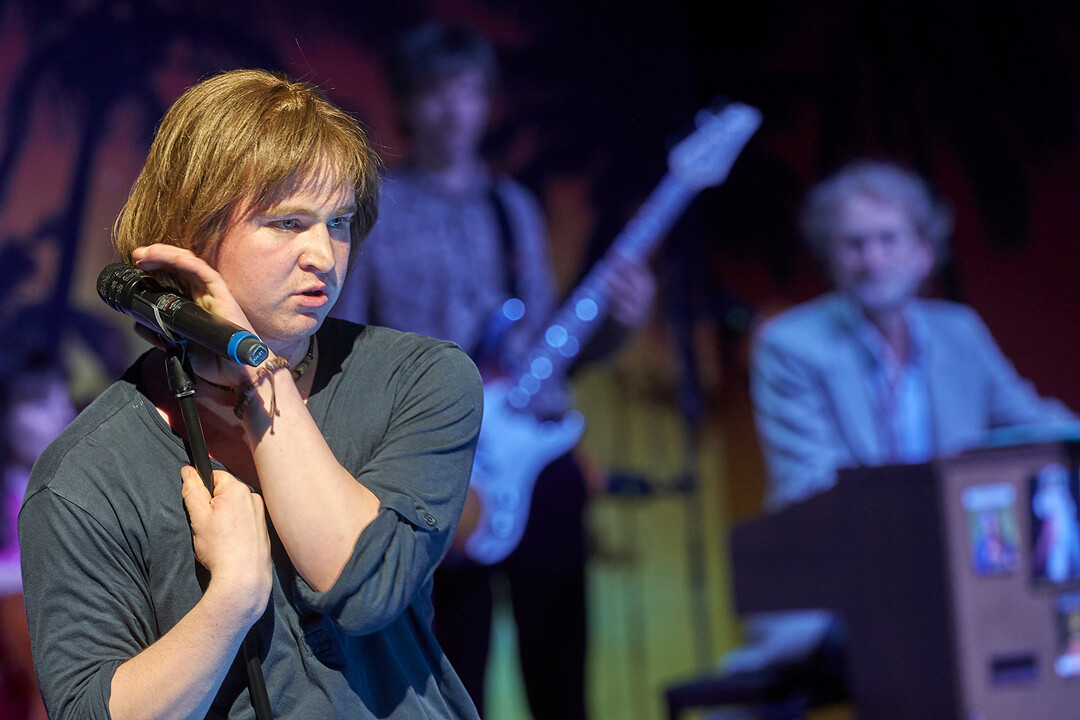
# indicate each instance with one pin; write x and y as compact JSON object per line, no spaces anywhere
{"x":871,"y":373}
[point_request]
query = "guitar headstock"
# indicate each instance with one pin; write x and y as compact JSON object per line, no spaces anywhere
{"x":705,"y":157}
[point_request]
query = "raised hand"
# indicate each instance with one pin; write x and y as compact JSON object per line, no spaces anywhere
{"x":204,"y":285}
{"x":197,"y":278}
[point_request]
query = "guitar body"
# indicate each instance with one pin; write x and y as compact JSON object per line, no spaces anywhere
{"x":513,"y":448}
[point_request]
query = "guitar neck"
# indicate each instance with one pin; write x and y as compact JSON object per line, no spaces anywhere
{"x":582,"y":313}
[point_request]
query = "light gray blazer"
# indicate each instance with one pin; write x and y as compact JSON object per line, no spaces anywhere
{"x":814,"y":411}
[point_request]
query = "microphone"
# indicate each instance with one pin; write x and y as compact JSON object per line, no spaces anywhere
{"x":133,"y":292}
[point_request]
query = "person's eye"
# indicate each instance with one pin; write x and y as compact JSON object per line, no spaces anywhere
{"x":287,"y":223}
{"x":342,"y":221}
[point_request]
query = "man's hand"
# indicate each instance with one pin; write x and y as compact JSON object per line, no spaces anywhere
{"x":633,"y":289}
{"x":199,"y":280}
{"x":230,"y":538}
{"x":202,"y":284}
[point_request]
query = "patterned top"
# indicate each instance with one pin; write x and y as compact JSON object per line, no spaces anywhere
{"x":434,"y":263}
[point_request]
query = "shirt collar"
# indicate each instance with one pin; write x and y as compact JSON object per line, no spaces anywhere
{"x":874,"y":343}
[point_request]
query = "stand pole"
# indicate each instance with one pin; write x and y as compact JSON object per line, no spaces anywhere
{"x":680,"y":319}
{"x":184,"y":390}
{"x":177,"y":368}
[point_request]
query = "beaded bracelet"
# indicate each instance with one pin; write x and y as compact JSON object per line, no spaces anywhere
{"x":246,"y":391}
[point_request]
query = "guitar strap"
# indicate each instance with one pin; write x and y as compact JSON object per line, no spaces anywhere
{"x":506,"y":240}
{"x":486,"y":350}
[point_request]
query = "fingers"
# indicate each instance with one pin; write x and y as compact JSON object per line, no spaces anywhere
{"x":194,"y":273}
{"x":633,"y":289}
{"x":630,"y":276}
{"x":230,"y":538}
{"x":259,"y":509}
{"x":196,"y":497}
{"x":201,"y":282}
{"x":228,"y":491}
{"x":224,"y":483}
{"x":161,"y":256}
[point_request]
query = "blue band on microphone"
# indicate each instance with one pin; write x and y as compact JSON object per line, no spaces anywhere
{"x":235,"y":341}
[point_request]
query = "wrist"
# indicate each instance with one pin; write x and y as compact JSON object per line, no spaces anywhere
{"x":237,"y":602}
{"x":248,"y":391}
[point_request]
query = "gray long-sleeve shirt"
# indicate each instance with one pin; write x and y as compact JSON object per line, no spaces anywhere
{"x":109,"y":568}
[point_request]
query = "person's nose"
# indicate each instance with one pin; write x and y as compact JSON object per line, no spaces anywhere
{"x":874,"y":255}
{"x":318,"y":252}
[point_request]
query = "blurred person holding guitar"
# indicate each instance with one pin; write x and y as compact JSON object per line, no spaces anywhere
{"x":455,"y":240}
{"x":461,"y":253}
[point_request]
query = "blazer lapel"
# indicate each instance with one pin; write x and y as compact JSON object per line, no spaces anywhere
{"x":846,"y":376}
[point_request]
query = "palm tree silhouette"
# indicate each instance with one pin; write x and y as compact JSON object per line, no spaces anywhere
{"x":82,"y":65}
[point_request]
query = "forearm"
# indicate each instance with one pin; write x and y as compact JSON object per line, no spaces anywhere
{"x":318,"y":508}
{"x":179,"y":674}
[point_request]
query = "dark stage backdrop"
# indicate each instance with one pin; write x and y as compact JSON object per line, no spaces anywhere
{"x":981,"y":99}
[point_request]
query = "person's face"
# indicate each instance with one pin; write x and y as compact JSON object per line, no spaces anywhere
{"x":448,"y":120}
{"x":876,"y":255}
{"x":285,"y":264}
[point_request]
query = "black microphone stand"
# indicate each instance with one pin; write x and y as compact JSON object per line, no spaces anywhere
{"x":680,"y":316}
{"x":178,"y":370}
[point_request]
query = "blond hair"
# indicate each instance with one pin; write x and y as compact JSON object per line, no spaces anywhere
{"x":238,"y":142}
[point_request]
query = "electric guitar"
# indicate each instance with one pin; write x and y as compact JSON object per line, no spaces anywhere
{"x":515,"y":445}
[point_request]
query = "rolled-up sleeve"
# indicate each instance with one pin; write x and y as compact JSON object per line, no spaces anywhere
{"x":419,"y":470}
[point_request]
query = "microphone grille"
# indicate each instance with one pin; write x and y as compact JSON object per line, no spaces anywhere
{"x":116,"y":283}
